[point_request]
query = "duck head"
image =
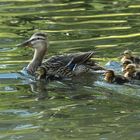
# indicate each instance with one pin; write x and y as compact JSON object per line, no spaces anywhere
{"x":109,"y":76}
{"x":38,"y":41}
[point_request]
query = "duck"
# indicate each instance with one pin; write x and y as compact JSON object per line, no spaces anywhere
{"x":131,"y":73}
{"x":111,"y":77}
{"x":127,"y":54}
{"x":58,"y":66}
{"x":125,"y":63}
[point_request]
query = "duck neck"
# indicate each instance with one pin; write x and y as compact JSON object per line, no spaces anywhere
{"x":37,"y":60}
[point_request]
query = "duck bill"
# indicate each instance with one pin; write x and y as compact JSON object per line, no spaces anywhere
{"x":26,"y":43}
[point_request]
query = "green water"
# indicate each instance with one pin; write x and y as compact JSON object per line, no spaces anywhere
{"x":78,"y":109}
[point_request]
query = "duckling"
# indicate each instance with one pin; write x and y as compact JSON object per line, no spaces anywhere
{"x":110,"y":77}
{"x":131,"y":72}
{"x":125,"y":63}
{"x":127,"y":54}
{"x":40,"y":74}
{"x":61,"y":65}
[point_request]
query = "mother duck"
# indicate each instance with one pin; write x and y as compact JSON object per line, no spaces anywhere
{"x":57,"y":66}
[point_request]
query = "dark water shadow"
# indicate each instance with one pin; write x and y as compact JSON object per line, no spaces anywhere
{"x":77,"y":88}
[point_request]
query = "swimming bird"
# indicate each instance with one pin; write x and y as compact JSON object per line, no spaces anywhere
{"x":111,"y":77}
{"x":125,"y":63}
{"x":56,"y":66}
{"x":131,"y":73}
{"x":127,"y":54}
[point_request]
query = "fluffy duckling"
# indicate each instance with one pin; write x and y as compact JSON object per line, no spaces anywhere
{"x":131,"y":72}
{"x":127,"y":54}
{"x":40,"y":74}
{"x":125,"y":63}
{"x":110,"y":77}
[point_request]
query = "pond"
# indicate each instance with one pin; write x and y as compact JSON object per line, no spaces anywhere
{"x":78,"y":109}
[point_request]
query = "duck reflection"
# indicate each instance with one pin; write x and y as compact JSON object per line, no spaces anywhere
{"x":73,"y":88}
{"x":40,"y":89}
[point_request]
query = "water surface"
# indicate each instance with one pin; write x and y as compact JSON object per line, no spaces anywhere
{"x":78,"y":109}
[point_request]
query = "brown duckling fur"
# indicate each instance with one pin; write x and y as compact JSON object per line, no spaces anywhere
{"x":110,"y":77}
{"x":127,"y":54}
{"x":125,"y":63}
{"x":130,"y":72}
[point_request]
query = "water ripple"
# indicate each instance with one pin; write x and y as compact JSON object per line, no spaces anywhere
{"x":86,"y":108}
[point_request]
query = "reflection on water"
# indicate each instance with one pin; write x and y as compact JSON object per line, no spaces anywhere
{"x":80,"y":108}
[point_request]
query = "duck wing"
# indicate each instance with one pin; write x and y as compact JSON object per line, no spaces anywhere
{"x":75,"y":58}
{"x":72,"y":60}
{"x":65,"y":64}
{"x":82,"y":58}
{"x":69,"y":65}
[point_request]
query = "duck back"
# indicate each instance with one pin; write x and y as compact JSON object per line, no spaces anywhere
{"x":137,"y":75}
{"x":120,"y":79}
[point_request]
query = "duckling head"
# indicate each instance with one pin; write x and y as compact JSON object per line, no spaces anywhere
{"x":131,"y":68}
{"x":126,"y":62}
{"x":127,"y":54}
{"x":129,"y":71}
{"x":109,"y":76}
